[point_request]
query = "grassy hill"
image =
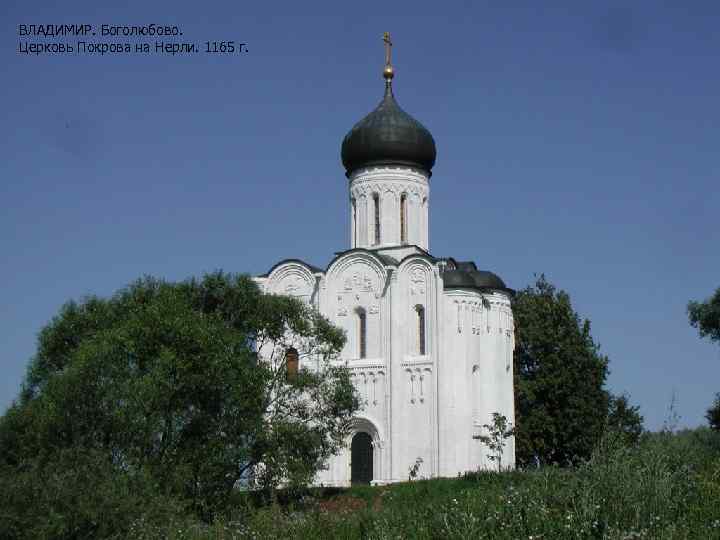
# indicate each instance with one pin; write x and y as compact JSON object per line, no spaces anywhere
{"x":666,"y":487}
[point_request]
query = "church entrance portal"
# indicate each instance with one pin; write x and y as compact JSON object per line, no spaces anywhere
{"x":361,"y":459}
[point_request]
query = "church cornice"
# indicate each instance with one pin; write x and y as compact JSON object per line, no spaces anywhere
{"x":310,"y":267}
{"x":425,"y":256}
{"x":399,"y":173}
{"x":382,"y":260}
{"x":382,"y":184}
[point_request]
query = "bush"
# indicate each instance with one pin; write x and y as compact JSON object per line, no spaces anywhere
{"x":78,"y":495}
{"x":713,"y":414}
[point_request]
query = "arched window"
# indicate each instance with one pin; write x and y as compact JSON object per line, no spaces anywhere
{"x":403,"y":218}
{"x":376,"y":210}
{"x":420,"y":310}
{"x":292,"y":364}
{"x":362,"y":333}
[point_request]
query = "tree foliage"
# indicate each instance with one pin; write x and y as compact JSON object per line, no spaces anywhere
{"x":78,"y":494}
{"x":625,"y":418}
{"x":163,"y":381}
{"x":561,"y":406}
{"x":498,"y":432}
{"x":713,"y":413}
{"x":705,"y":316}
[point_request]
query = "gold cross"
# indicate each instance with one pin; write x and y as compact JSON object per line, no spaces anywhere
{"x":388,"y":46}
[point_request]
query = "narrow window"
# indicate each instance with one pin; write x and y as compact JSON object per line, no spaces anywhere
{"x":424,"y":223}
{"x":421,"y":329}
{"x":376,"y":206}
{"x":292,"y":363}
{"x":403,"y":218}
{"x":354,"y":222}
{"x":362,"y":333}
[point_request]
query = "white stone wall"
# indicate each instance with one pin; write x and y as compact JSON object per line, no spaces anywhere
{"x":475,"y":376}
{"x":427,"y":406}
{"x":357,"y":280}
{"x":415,"y":391}
{"x":414,"y":406}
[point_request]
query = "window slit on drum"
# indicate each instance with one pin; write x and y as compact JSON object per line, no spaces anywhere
{"x":354,"y":223}
{"x":421,"y":329}
{"x":403,"y":218}
{"x":376,"y":208}
{"x":362,"y":333}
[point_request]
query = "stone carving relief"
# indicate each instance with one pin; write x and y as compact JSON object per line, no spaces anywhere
{"x":395,"y":179}
{"x":485,"y":317}
{"x":366,"y":189}
{"x":292,"y":280}
{"x":358,"y":282}
{"x":417,"y":281}
{"x":292,"y":285}
{"x":369,"y":383}
{"x":356,"y":285}
{"x":418,"y":383}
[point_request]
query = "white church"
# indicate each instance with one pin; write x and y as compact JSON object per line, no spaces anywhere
{"x":429,"y":339}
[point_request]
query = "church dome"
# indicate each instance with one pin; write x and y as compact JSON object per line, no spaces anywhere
{"x":388,"y":136}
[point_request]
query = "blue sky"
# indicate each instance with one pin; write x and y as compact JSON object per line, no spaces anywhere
{"x":575,"y":139}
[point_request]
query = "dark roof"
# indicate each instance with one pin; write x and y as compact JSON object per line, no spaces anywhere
{"x":425,"y":255}
{"x":385,"y":259}
{"x":453,"y":279}
{"x":313,"y":269}
{"x":483,"y":278}
{"x":450,"y":263}
{"x":388,"y":135}
{"x":465,"y":266}
{"x":468,"y":277}
{"x":465,"y":276}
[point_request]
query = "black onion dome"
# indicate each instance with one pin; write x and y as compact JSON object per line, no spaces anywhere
{"x":466,"y":276}
{"x":388,"y":135}
{"x":457,"y":279}
{"x":485,"y":279}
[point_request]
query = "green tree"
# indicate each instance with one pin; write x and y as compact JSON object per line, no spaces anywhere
{"x":163,"y":381}
{"x":625,"y":418}
{"x":499,"y":431}
{"x":705,"y":316}
{"x":713,"y":413}
{"x":561,"y":406}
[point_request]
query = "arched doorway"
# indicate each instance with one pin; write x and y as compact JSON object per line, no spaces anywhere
{"x":361,"y":459}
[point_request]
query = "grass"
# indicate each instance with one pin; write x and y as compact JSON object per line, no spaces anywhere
{"x":666,"y":487}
